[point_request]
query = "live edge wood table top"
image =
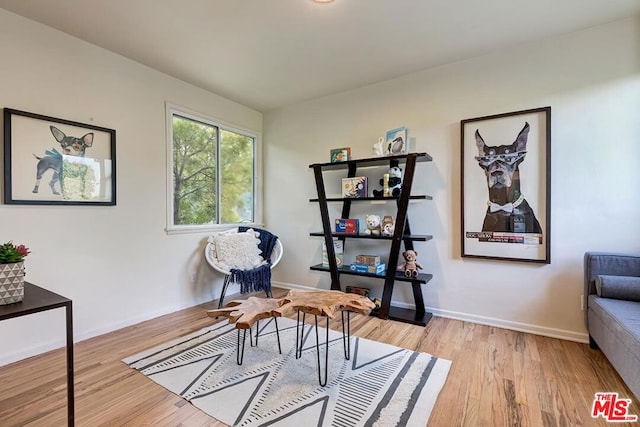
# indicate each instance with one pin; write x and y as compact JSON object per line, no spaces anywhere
{"x":244,"y":313}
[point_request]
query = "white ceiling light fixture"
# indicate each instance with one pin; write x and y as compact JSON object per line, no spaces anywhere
{"x":323,"y":1}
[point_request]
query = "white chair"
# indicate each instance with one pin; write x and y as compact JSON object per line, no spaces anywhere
{"x":212,"y":260}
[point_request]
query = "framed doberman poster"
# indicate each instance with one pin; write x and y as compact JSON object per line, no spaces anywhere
{"x":506,"y":186}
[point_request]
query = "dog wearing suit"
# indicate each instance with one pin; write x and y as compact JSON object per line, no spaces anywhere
{"x":507,"y":210}
{"x":71,"y":146}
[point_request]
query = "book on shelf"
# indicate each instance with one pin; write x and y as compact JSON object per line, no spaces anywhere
{"x":340,"y":154}
{"x":368,"y":259}
{"x":355,"y":187}
{"x":396,"y":141}
{"x":347,"y":225}
{"x":338,"y":248}
{"x":364,"y":268}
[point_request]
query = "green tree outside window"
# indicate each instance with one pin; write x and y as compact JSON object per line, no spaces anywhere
{"x":213,"y":174}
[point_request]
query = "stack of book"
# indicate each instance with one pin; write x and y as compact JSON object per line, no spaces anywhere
{"x":368,"y":264}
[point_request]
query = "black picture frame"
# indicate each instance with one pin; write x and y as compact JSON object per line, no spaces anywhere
{"x":50,"y":161}
{"x":506,"y":186}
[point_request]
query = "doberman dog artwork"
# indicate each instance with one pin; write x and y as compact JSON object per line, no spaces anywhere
{"x":71,"y":146}
{"x":507,"y":210}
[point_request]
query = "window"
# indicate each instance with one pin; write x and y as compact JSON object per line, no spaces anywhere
{"x":213,"y":169}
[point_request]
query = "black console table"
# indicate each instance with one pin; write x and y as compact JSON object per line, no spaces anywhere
{"x":37,"y":299}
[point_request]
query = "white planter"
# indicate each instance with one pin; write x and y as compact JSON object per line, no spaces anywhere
{"x":11,"y":282}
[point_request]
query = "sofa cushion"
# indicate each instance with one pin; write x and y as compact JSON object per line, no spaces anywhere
{"x":618,"y":287}
{"x":622,"y":319}
{"x":615,"y":326}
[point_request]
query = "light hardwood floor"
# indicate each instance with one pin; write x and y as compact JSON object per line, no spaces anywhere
{"x":498,"y":377}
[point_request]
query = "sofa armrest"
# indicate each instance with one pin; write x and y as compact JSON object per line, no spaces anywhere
{"x":606,"y":263}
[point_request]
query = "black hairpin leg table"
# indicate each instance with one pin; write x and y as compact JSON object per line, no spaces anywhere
{"x":37,"y":299}
{"x":346,"y":341}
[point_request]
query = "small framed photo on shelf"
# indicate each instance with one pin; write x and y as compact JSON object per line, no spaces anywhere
{"x":340,"y":154}
{"x":396,"y":141}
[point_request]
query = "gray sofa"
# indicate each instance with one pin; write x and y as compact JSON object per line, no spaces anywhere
{"x":612,"y":312}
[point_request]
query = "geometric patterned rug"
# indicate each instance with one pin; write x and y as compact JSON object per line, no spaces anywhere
{"x":381,"y":385}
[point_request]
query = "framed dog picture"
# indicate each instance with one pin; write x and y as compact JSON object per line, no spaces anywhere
{"x":49,"y":161}
{"x":506,"y":186}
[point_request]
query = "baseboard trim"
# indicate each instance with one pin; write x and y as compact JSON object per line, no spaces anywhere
{"x":529,"y":328}
{"x":31,"y":352}
{"x":581,"y":337}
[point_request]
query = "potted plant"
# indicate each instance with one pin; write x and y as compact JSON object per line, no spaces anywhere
{"x":12,"y":272}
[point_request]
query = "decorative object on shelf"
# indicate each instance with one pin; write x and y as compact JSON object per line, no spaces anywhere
{"x":355,"y":187}
{"x":396,"y":141}
{"x":373,"y":225}
{"x":506,"y":161}
{"x":340,"y":154}
{"x":368,"y":259}
{"x":338,"y":249}
{"x":378,"y":148}
{"x":77,"y":161}
{"x":12,"y":272}
{"x":357,"y":290}
{"x":391,"y":183}
{"x":410,"y":264}
{"x":347,"y":225}
{"x":388,"y":225}
{"x":395,"y":181}
{"x":384,"y":183}
{"x":365,"y":268}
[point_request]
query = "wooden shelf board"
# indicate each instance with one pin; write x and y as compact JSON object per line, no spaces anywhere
{"x":422,"y":277}
{"x":414,"y":237}
{"x":372,"y":199}
{"x":372,"y":161}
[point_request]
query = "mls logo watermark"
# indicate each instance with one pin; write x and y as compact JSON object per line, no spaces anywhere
{"x":612,"y":408}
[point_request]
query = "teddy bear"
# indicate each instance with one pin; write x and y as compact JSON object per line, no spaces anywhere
{"x":410,"y":265}
{"x":373,"y":225}
{"x":394,"y":184}
{"x":388,"y":225}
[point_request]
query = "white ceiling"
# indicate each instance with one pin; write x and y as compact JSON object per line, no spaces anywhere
{"x":270,"y":53}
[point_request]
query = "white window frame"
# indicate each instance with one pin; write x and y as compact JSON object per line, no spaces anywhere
{"x":172,"y":228}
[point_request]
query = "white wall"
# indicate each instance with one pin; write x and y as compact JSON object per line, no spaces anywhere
{"x":591,"y":79}
{"x":117,"y":263}
{"x":119,"y":266}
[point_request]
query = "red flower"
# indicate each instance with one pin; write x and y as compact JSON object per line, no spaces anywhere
{"x":23,"y":250}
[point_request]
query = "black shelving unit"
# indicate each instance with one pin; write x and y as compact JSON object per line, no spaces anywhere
{"x":402,"y":234}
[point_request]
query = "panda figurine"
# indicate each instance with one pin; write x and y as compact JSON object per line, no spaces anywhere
{"x":395,"y":183}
